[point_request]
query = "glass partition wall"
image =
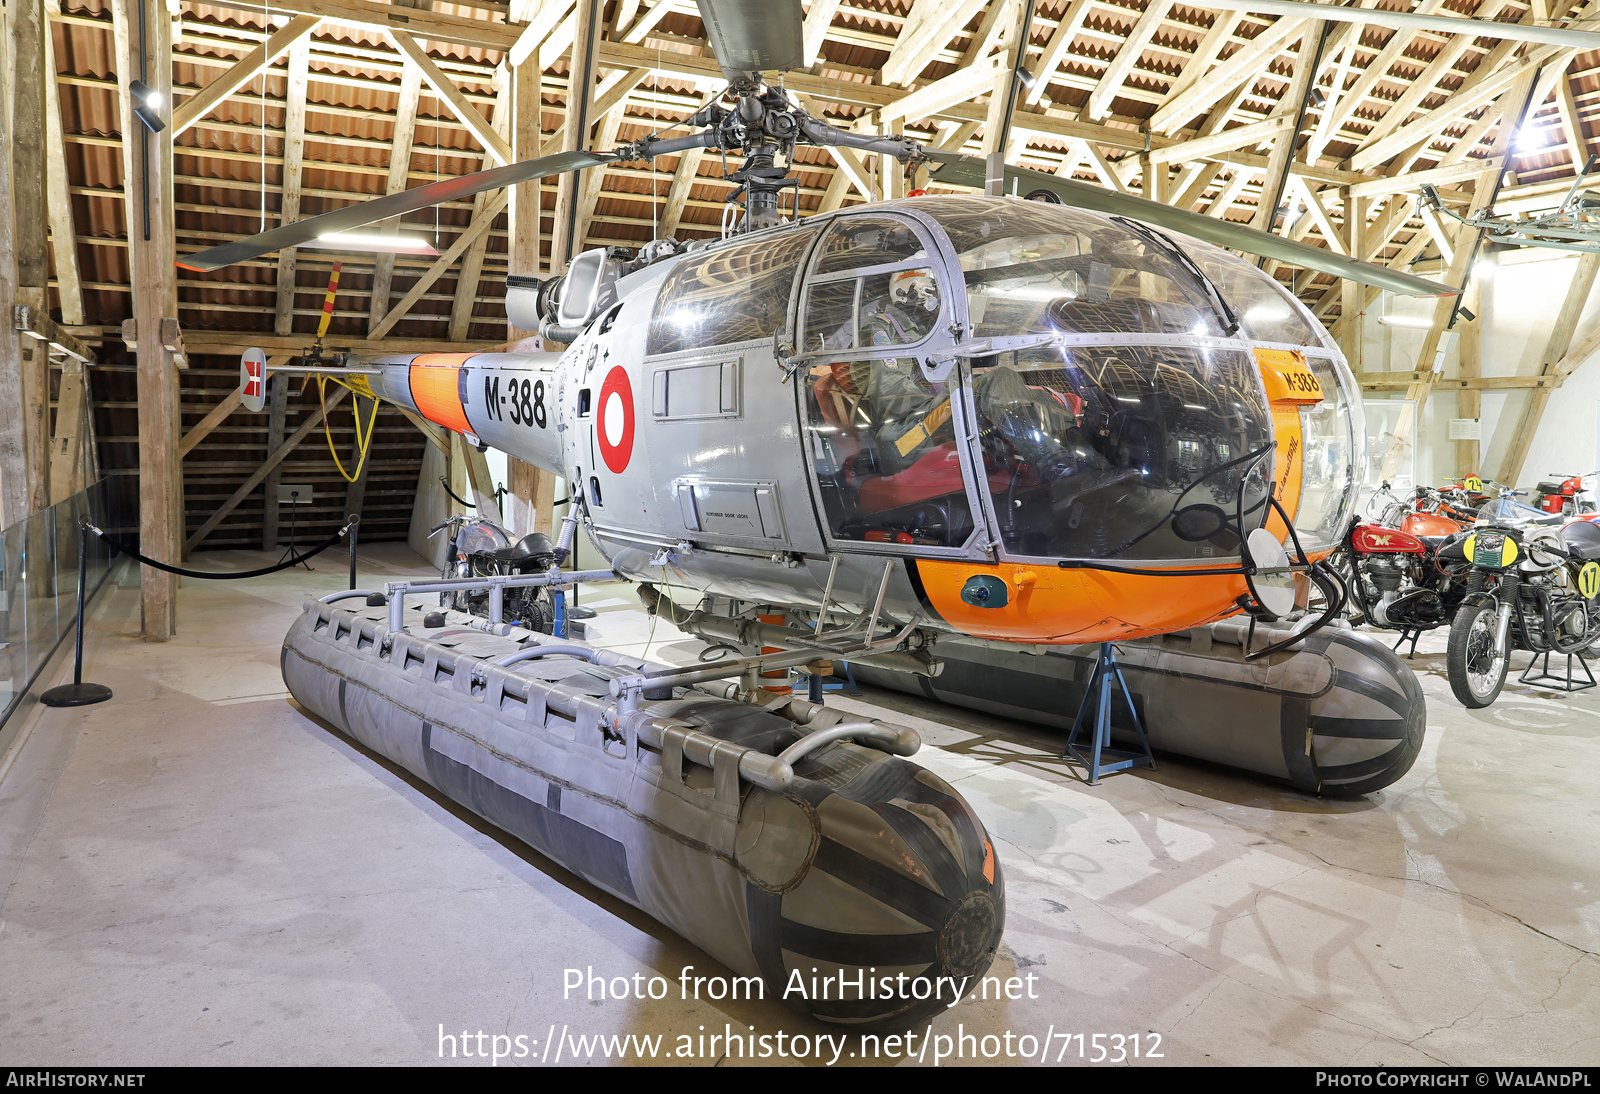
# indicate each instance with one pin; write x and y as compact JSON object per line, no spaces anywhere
{"x":39,"y":584}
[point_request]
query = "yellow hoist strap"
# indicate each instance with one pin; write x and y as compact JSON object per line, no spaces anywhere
{"x":363,"y":440}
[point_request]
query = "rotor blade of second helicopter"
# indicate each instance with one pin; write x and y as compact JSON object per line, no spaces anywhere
{"x":970,"y":171}
{"x":392,"y":205}
{"x":754,"y":35}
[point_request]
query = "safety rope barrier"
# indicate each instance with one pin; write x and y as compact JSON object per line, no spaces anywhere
{"x":120,"y":547}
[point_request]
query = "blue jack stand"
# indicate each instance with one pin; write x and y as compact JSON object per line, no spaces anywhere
{"x":1106,"y":670}
{"x":815,"y":686}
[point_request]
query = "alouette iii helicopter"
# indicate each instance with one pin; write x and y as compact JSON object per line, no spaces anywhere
{"x":1067,"y":420}
{"x":1056,"y":420}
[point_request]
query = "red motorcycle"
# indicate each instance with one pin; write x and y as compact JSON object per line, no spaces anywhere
{"x":1407,"y":569}
{"x":1567,"y":495}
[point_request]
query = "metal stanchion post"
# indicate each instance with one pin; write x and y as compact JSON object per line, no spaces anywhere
{"x":355,"y":522}
{"x":77,"y":693}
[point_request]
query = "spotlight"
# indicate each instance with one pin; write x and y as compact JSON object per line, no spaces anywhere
{"x":1027,"y":78}
{"x":1319,"y":98}
{"x":147,"y":105}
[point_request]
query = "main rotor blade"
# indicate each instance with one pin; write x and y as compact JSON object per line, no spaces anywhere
{"x":969,"y":171}
{"x":406,"y":201}
{"x":754,"y":35}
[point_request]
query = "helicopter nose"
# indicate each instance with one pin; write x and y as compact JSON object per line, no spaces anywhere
{"x":878,"y":901}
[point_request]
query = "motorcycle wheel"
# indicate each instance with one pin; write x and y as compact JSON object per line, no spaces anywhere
{"x":1476,"y":673}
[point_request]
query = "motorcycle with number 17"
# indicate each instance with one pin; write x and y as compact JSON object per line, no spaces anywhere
{"x":1528,"y":589}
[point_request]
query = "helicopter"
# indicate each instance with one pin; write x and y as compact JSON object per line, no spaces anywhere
{"x":1070,"y":417}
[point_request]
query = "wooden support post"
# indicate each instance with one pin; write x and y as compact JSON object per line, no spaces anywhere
{"x":67,"y":446}
{"x":1352,"y":329}
{"x":581,"y":66}
{"x":405,"y":123}
{"x":277,"y":429}
{"x":146,"y":52}
{"x":479,"y":481}
{"x":1469,"y":401}
{"x":30,"y":219}
{"x":294,"y":143}
{"x":1000,"y":92}
{"x":526,"y":204}
{"x":14,"y":500}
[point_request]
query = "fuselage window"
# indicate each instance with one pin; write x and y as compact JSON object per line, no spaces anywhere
{"x":892,"y":308}
{"x":728,"y":294}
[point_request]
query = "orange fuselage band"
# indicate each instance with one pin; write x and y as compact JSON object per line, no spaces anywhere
{"x":436,"y":389}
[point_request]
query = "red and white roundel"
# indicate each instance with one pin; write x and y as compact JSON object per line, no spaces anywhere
{"x":614,"y":420}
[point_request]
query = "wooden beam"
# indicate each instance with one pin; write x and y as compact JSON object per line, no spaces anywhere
{"x":1555,"y":355}
{"x":1283,"y":146}
{"x":1469,"y":401}
{"x":1571,"y":124}
{"x":1248,"y":62}
{"x":1462,"y":101}
{"x":28,"y":76}
{"x":277,"y":429}
{"x":1228,"y":140}
{"x":436,"y":436}
{"x":545,"y":20}
{"x":1055,"y":49}
{"x":242,"y":72}
{"x":1466,"y":251}
{"x":478,"y":227}
{"x":958,"y":87}
{"x":203,"y":428}
{"x":1128,"y":54}
{"x":915,"y":46}
{"x":466,"y":113}
{"x":220,"y":412}
{"x":818,"y":20}
{"x":1377,"y":68}
{"x":63,"y":235}
{"x":683,"y":180}
{"x":581,"y":74}
{"x":14,"y":493}
{"x":432,"y":26}
{"x":294,"y":145}
{"x":466,"y":298}
{"x":1352,"y":334}
{"x":405,"y":124}
{"x":1002,"y":85}
{"x":523,"y":231}
{"x":273,"y":459}
{"x":67,"y":445}
{"x":147,"y":181}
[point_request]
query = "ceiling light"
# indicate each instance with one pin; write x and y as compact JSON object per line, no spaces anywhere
{"x":147,"y":105}
{"x":1417,"y":321}
{"x":388,"y":243}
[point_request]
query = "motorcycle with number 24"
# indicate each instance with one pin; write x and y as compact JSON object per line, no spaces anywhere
{"x":1529,"y":589}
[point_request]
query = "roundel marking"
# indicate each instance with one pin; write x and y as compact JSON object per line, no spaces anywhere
{"x":615,"y":425}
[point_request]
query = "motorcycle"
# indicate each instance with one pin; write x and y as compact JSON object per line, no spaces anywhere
{"x":1528,"y":588}
{"x":481,"y":548}
{"x":1407,"y":566}
{"x":1568,"y":494}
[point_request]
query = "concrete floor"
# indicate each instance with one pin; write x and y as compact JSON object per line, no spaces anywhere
{"x":197,"y":872}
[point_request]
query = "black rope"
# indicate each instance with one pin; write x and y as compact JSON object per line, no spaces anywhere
{"x":452,"y":493}
{"x":117,"y":545}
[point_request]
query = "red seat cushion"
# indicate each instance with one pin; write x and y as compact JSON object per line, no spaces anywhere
{"x":936,"y":474}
